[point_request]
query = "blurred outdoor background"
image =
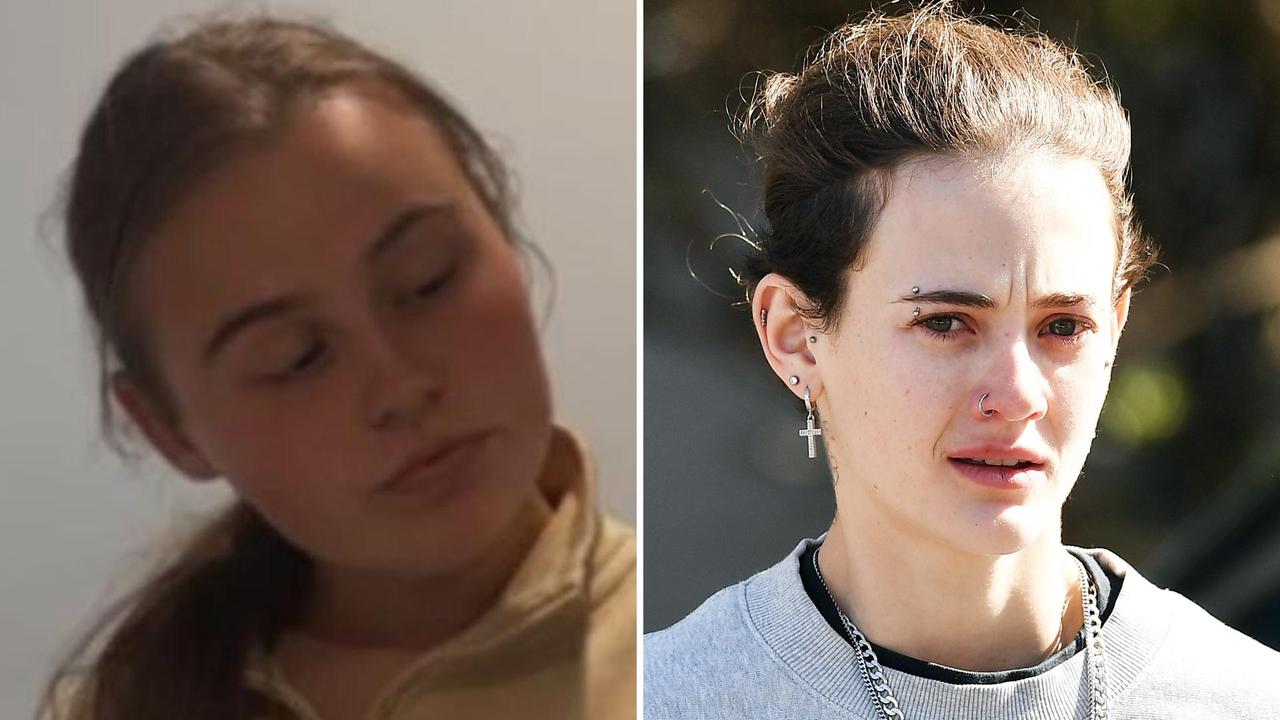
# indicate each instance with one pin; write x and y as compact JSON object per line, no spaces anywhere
{"x":1184,"y":479}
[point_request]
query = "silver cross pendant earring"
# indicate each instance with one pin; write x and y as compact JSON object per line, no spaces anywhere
{"x":810,"y":431}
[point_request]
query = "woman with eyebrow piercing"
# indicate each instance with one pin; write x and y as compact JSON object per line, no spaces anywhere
{"x":305,"y":279}
{"x":948,"y":267}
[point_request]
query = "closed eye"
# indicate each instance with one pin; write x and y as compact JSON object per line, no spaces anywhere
{"x":428,"y":288}
{"x":305,"y":362}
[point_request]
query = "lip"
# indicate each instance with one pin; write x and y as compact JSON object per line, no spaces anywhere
{"x":1000,"y":478}
{"x":439,"y":469}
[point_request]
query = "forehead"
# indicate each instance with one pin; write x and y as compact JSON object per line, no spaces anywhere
{"x":297,"y":206}
{"x":335,"y":164}
{"x":1041,"y":223}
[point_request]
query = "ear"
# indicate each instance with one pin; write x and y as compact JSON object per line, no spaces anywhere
{"x":163,"y":432}
{"x":1122,"y":317}
{"x":784,"y":333}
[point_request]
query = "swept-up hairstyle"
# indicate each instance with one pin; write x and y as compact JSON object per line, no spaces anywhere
{"x":889,"y":89}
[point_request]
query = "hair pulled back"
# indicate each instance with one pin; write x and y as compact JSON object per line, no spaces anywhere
{"x":889,"y":89}
{"x":170,"y":114}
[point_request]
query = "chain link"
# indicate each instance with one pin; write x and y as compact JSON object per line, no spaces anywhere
{"x":886,"y":704}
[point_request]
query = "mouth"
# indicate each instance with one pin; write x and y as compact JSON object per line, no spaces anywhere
{"x":439,"y":470}
{"x":1002,"y":474}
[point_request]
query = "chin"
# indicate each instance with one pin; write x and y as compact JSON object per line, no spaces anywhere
{"x":439,"y":541}
{"x":1000,"y":530}
{"x":472,"y":528}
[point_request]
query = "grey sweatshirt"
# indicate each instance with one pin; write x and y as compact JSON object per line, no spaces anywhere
{"x":760,"y":649}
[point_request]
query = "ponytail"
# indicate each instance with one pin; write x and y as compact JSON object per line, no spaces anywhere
{"x":181,"y":643}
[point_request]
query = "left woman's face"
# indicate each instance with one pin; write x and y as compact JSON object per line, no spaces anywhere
{"x":1013,"y":264}
{"x":335,"y":305}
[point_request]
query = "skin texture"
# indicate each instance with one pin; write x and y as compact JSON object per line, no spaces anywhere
{"x":385,"y":354}
{"x":925,"y":560}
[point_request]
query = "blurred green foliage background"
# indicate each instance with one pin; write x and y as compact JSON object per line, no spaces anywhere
{"x":1184,"y":479}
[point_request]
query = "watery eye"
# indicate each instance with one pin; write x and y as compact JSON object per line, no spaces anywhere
{"x":942,"y":324}
{"x":1064,"y":327}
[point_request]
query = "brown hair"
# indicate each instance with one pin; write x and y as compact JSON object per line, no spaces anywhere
{"x":170,"y":114}
{"x":886,"y":90}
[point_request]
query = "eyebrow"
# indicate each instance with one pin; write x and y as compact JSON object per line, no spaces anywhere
{"x":390,"y":236}
{"x":950,"y":297}
{"x":964,"y":298}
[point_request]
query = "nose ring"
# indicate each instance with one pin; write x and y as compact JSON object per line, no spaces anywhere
{"x":985,"y":413}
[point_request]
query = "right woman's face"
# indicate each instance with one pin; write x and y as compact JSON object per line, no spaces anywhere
{"x":334,"y":306}
{"x":1014,"y":269}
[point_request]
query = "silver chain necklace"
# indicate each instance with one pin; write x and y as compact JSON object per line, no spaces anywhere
{"x":872,"y":672}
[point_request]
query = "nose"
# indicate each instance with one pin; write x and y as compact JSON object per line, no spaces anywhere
{"x":401,"y":386}
{"x":1015,"y":387}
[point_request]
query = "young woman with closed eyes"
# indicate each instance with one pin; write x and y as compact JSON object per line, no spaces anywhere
{"x":306,"y":281}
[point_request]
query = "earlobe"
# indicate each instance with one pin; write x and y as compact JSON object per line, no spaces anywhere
{"x":160,"y":430}
{"x":784,"y":333}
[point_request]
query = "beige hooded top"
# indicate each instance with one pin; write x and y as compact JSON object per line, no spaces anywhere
{"x":559,"y":643}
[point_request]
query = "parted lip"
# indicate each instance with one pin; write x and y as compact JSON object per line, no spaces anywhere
{"x":431,"y":455}
{"x":998,"y":451}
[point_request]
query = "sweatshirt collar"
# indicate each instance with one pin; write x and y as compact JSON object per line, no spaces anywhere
{"x":786,"y":620}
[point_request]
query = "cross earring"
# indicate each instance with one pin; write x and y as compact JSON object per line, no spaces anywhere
{"x":810,"y":431}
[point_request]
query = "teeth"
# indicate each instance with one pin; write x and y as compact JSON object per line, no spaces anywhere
{"x":1001,"y":463}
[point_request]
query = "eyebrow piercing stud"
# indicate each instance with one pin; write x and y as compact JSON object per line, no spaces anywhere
{"x":915,"y":313}
{"x":915,"y":290}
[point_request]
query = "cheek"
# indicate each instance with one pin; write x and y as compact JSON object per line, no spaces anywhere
{"x":886,"y":397}
{"x":284,"y":457}
{"x":495,"y":352}
{"x":1079,"y":391}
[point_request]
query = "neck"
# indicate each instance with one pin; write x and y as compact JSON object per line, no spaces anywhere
{"x":366,"y":609}
{"x":983,"y":613}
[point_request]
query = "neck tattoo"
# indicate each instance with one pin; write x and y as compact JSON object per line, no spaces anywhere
{"x":882,"y":697}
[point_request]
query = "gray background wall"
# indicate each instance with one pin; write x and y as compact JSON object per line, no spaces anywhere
{"x":552,"y":81}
